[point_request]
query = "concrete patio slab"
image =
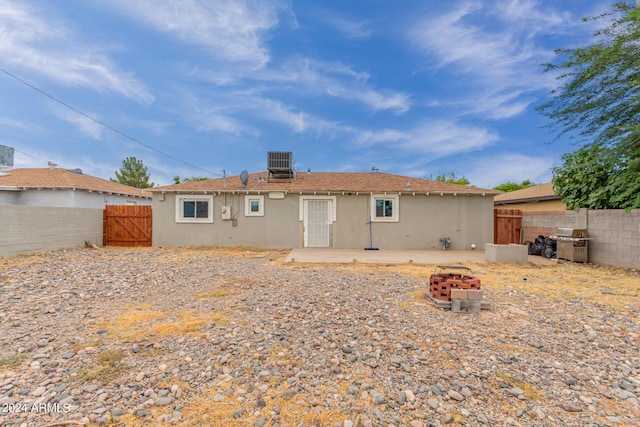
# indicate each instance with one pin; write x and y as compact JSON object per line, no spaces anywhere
{"x":341,"y":256}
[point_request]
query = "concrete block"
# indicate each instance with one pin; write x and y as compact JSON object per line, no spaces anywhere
{"x":456,"y":305}
{"x":506,"y":253}
{"x":473,"y":306}
{"x":458,"y":294}
{"x":474,"y":294}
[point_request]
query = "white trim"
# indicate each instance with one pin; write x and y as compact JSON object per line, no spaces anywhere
{"x":395,"y":206}
{"x":180,"y":199}
{"x":247,"y":205}
{"x":334,"y":203}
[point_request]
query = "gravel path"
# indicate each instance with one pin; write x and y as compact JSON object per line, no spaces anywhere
{"x":193,"y":337}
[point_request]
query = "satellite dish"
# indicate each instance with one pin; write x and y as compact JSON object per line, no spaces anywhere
{"x":244,"y":178}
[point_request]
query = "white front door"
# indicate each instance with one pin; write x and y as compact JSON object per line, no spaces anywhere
{"x":317,"y":217}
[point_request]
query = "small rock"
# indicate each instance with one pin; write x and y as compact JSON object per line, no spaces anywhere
{"x":433,"y":403}
{"x":516,"y":391}
{"x":455,"y":395}
{"x":410,"y":396}
{"x":571,"y":407}
{"x":163,"y":401}
{"x":39,"y":391}
{"x":402,"y":398}
{"x":117,"y":412}
{"x":378,"y":399}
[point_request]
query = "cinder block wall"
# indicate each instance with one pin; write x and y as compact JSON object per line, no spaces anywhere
{"x":615,"y":233}
{"x":31,"y":229}
{"x":616,"y":237}
{"x":547,"y":223}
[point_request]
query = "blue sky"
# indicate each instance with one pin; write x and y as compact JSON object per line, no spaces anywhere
{"x":195,"y":87}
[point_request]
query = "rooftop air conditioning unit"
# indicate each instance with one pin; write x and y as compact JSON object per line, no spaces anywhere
{"x":280,"y":164}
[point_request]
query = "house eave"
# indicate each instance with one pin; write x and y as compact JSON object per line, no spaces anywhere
{"x":88,"y":190}
{"x":526,"y":200}
{"x":329,"y":192}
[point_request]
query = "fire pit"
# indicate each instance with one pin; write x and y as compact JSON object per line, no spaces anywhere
{"x":454,"y":287}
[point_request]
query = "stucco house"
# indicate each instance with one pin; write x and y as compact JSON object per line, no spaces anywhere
{"x":531,"y":199}
{"x":322,"y":209}
{"x":57,"y":187}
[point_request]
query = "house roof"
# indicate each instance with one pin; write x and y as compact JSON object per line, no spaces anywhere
{"x":58,"y":178}
{"x":530,"y":194}
{"x":326,"y":182}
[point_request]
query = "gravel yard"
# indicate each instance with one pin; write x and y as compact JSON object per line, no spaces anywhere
{"x":198,"y":336}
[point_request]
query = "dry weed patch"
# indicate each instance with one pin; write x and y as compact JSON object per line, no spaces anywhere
{"x":218,"y":293}
{"x":142,"y":320}
{"x":13,"y":361}
{"x":530,"y":391}
{"x":108,"y":367}
{"x":187,"y":322}
{"x":19,"y":261}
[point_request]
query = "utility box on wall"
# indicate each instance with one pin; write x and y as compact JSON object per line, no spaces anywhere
{"x":225,"y":212}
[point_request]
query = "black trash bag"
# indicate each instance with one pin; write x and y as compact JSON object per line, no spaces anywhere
{"x":536,"y":247}
{"x":550,"y":248}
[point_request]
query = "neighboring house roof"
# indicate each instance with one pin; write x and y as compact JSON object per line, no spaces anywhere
{"x":536,"y":193}
{"x":58,"y":178}
{"x":327,"y":182}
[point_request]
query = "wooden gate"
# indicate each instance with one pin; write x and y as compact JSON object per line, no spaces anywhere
{"x":127,"y":225}
{"x":507,"y":224}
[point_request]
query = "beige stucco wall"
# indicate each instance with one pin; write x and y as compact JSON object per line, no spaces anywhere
{"x":279,"y":228}
{"x":423,"y":219}
{"x":545,"y":205}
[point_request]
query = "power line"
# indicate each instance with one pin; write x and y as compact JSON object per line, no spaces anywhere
{"x":111,"y":128}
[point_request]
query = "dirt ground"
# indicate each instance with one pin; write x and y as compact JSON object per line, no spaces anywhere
{"x":210,"y":336}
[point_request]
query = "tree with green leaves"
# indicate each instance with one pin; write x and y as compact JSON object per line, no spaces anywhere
{"x":178,"y":180}
{"x":509,"y":186}
{"x":450,"y":177}
{"x":133,"y":173}
{"x":599,"y":100}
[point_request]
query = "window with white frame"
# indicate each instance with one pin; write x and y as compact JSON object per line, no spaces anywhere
{"x":192,"y":208}
{"x":385,"y":208}
{"x":254,"y":206}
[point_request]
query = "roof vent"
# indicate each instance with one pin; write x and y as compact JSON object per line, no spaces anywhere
{"x":374,"y":169}
{"x":76,"y":170}
{"x":52,"y":165}
{"x":280,"y":164}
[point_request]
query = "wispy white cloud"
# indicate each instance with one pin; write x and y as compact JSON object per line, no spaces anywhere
{"x":84,"y":124}
{"x":17,"y":124}
{"x":442,"y":138}
{"x":316,"y":77}
{"x":34,"y":40}
{"x":279,"y":95}
{"x":155,"y":127}
{"x":433,"y":138}
{"x":298,"y":121}
{"x":377,"y":100}
{"x":499,"y":62}
{"x":491,"y":170}
{"x":229,"y":30}
{"x":352,"y":29}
